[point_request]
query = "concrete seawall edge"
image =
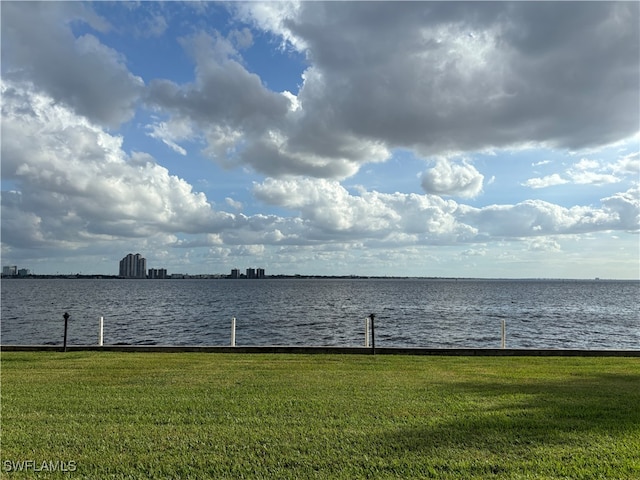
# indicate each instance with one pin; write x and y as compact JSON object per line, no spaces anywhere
{"x":495,"y":352}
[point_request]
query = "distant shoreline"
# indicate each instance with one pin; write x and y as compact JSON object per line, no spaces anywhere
{"x":308,"y":277}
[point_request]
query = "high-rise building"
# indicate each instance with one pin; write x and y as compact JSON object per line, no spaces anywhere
{"x":133,"y":266}
{"x":157,"y":273}
{"x":10,"y":271}
{"x":249,"y":273}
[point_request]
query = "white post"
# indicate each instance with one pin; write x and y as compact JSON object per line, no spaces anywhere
{"x":233,"y":331}
{"x":504,"y":333}
{"x":366,"y":332}
{"x":100,"y":331}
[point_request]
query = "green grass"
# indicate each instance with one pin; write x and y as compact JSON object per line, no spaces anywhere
{"x":192,"y":415}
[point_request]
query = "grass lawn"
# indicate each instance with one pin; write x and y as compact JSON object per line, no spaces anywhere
{"x":201,"y":415}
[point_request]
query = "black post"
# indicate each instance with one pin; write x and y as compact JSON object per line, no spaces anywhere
{"x":66,"y":321}
{"x":373,"y":334}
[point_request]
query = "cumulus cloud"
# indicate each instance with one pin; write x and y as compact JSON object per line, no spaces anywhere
{"x":271,"y":16}
{"x":76,"y":186}
{"x":332,"y":212}
{"x":452,"y":178}
{"x":591,"y":172}
{"x":625,"y":207}
{"x":243,"y":122}
{"x":327,"y":208}
{"x":76,"y":183}
{"x":39,"y":46}
{"x":327,"y":205}
{"x":438,"y":78}
{"x":628,"y":164}
{"x":227,"y":104}
{"x":537,"y":217}
{"x":223,"y":92}
{"x":79,"y":182}
{"x":455,"y":76}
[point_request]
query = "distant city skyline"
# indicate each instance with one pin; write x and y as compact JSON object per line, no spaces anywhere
{"x":13,"y":270}
{"x":135,"y":266}
{"x":372,"y":138}
{"x":249,"y":273}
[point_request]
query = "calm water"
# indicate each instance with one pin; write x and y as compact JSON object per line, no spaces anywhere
{"x":325,"y":312}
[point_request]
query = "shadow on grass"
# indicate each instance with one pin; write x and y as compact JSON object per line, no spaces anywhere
{"x":508,"y":416}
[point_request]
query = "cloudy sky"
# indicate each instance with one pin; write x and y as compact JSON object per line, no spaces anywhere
{"x":370,"y":138}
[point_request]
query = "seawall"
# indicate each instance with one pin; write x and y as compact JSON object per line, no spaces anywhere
{"x":494,"y":352}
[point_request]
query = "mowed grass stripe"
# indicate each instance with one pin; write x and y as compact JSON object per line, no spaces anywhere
{"x":193,"y":415}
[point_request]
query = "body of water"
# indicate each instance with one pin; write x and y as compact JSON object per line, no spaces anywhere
{"x":325,"y":312}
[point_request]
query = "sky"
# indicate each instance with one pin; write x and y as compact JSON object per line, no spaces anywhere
{"x":365,"y":138}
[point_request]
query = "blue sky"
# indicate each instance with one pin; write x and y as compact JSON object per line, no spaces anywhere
{"x":371,"y":138}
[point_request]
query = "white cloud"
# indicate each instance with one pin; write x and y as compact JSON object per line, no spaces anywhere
{"x":169,"y":133}
{"x":626,"y":208}
{"x":327,"y":205}
{"x":236,"y":205}
{"x":383,"y":75}
{"x":77,"y":186}
{"x":452,"y":178}
{"x":548,"y":181}
{"x":327,"y":208}
{"x":628,"y":165}
{"x":224,"y":92}
{"x":273,"y":17}
{"x":245,"y":123}
{"x":78,"y":181}
{"x":584,"y":177}
{"x":540,"y":163}
{"x":39,"y":46}
{"x":586,"y":164}
{"x":591,"y":172}
{"x":537,"y":217}
{"x":544,"y":244}
{"x":432,"y":79}
{"x":411,"y":75}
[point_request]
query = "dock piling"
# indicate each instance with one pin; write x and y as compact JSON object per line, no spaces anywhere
{"x":233,"y":331}
{"x":366,"y":332}
{"x":66,"y":322}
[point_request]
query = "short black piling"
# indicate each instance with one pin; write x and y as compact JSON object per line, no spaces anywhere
{"x":66,"y":322}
